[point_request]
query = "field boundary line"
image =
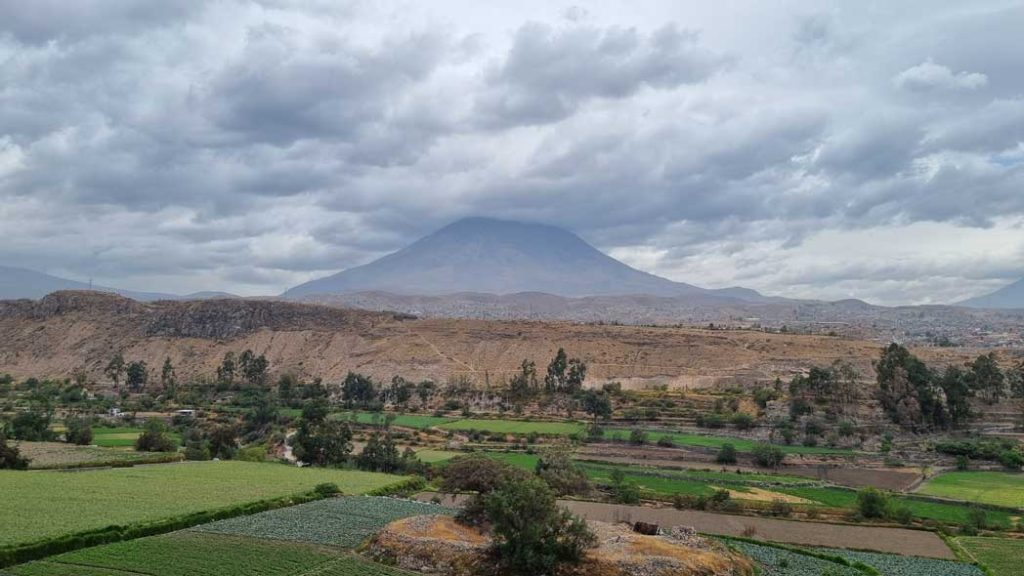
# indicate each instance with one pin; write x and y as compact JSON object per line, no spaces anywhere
{"x":85,"y":565}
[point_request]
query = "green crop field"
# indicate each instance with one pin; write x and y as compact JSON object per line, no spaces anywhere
{"x":950,"y":513}
{"x":404,"y":420}
{"x":659,"y":481}
{"x":515,"y":426}
{"x":1002,"y":556}
{"x":43,"y":504}
{"x":342,"y":522}
{"x":702,"y":441}
{"x":195,"y":554}
{"x":999,"y":488}
{"x":434,"y":456}
{"x":779,"y":562}
{"x":120,"y":437}
{"x":896,"y":565}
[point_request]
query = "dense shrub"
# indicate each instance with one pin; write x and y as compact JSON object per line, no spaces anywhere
{"x":155,"y":438}
{"x":726,"y":454}
{"x":767,"y":455}
{"x":10,"y":456}
{"x":637,"y":436}
{"x":533,"y":535}
{"x":79,"y":431}
{"x":556,"y":467}
{"x":872,"y":503}
{"x":742,"y":421}
{"x":666,"y":441}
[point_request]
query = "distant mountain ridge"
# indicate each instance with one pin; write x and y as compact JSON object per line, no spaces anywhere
{"x":1011,"y":296}
{"x":18,"y":283}
{"x":503,"y":257}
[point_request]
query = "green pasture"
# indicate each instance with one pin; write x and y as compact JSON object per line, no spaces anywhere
{"x":1002,"y":556}
{"x":120,"y":437}
{"x":515,"y":426}
{"x":42,"y":504}
{"x":998,"y":488}
{"x":703,"y":441}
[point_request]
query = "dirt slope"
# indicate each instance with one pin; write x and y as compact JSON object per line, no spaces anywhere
{"x":82,"y":330}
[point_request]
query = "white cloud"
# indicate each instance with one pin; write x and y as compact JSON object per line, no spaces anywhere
{"x":931,"y":76}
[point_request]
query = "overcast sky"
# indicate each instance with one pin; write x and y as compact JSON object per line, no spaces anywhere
{"x":871,"y":150}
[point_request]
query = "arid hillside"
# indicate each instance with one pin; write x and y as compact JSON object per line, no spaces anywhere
{"x":68,"y":331}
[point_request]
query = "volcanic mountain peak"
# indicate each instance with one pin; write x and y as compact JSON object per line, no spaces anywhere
{"x":502,"y":257}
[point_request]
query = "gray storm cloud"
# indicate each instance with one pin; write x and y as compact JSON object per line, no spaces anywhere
{"x":249,"y":146}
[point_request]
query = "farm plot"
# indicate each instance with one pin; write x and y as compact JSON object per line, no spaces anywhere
{"x":1003,"y":556}
{"x":779,"y":562}
{"x":703,"y":441}
{"x":343,"y":522}
{"x":998,"y":488}
{"x":515,"y":426}
{"x":58,"y":454}
{"x":896,"y":565}
{"x":404,"y":420}
{"x":193,"y":554}
{"x":120,"y":437}
{"x":37,"y":504}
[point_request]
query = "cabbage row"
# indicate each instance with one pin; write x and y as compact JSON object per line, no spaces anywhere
{"x":895,"y":565}
{"x":343,"y":522}
{"x":780,"y":562}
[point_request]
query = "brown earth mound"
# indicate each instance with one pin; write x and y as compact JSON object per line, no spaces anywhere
{"x":439,"y":545}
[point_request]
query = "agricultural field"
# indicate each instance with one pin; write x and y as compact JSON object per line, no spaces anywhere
{"x":430,"y":456}
{"x":195,"y":554}
{"x":1004,"y":557}
{"x":896,"y":565}
{"x":36,"y":503}
{"x":342,"y":522}
{"x":703,"y":441}
{"x":59,"y":454}
{"x":405,"y":420}
{"x":779,"y":562}
{"x":120,"y":436}
{"x":998,"y":488}
{"x":515,"y":426}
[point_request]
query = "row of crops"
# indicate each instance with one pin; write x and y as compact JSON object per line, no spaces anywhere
{"x":788,"y":561}
{"x":343,"y":522}
{"x":313,"y":537}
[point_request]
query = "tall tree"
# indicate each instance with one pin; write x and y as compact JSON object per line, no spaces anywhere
{"x":987,"y":380}
{"x":115,"y":368}
{"x":555,"y":379}
{"x":226,"y":370}
{"x":167,"y":375}
{"x":136,"y":375}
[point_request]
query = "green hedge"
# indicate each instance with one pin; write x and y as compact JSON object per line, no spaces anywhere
{"x":157,"y":458}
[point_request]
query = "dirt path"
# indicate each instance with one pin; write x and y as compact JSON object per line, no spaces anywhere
{"x":892,"y":540}
{"x":879,"y":539}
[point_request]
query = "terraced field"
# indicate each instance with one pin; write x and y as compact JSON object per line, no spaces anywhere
{"x":515,"y":426}
{"x":707,"y":441}
{"x":406,"y":420}
{"x":342,"y":522}
{"x":895,"y":565}
{"x":195,"y":554}
{"x":58,"y":454}
{"x":1004,"y":557}
{"x":779,"y":562}
{"x":38,"y":504}
{"x":999,"y":488}
{"x":120,"y":437}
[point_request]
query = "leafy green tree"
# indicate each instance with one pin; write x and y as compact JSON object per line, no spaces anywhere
{"x":155,"y":437}
{"x":226,"y":370}
{"x":555,"y":379}
{"x":986,"y":379}
{"x":597,"y":404}
{"x":908,"y":390}
{"x":136,"y":375}
{"x":955,"y":383}
{"x":32,"y":425}
{"x":319,"y":441}
{"x":78,"y":430}
{"x":167,"y":377}
{"x":381,"y":455}
{"x":254,"y":368}
{"x":261,"y":416}
{"x":624,"y":491}
{"x":480,"y":475}
{"x":357,"y":391}
{"x":533,"y":535}
{"x":115,"y":369}
{"x":10,"y":456}
{"x":523,"y":385}
{"x":222,"y":441}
